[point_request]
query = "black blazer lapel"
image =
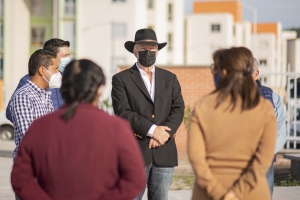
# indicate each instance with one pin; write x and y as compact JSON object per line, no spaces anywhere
{"x":137,"y":79}
{"x":158,"y":82}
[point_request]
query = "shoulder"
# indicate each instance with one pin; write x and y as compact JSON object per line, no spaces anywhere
{"x":125,"y":72}
{"x":25,"y":78}
{"x":22,"y":92}
{"x":164,"y":72}
{"x":265,"y":88}
{"x":265,"y":106}
{"x":207,"y":102}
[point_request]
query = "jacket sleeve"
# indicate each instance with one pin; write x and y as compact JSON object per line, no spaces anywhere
{"x":261,"y":160}
{"x":197,"y":156}
{"x":280,"y":118}
{"x":122,"y":108}
{"x":175,"y":118}
{"x":22,"y":176}
{"x":131,"y":167}
{"x":22,"y":82}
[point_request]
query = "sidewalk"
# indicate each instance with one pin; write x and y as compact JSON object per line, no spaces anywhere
{"x":6,"y":193}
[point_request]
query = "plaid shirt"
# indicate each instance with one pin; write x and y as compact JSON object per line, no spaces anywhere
{"x":27,"y":104}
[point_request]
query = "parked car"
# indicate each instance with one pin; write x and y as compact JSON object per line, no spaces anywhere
{"x":6,"y":128}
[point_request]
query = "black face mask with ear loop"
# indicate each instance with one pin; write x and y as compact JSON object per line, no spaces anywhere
{"x":147,"y":58}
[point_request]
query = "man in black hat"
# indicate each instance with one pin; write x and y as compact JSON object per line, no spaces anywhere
{"x":150,"y":99}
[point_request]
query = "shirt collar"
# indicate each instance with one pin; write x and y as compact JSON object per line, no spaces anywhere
{"x":142,"y":72}
{"x":35,"y":87}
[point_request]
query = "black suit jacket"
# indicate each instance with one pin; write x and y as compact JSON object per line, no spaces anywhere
{"x":131,"y":100}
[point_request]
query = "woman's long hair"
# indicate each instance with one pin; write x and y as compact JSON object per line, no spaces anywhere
{"x":80,"y":83}
{"x":234,"y":67}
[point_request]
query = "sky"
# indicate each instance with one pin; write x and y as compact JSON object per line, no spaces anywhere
{"x":285,"y":11}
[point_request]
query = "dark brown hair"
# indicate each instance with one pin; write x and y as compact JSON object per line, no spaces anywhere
{"x":234,"y":67}
{"x":54,"y":44}
{"x":80,"y":83}
{"x":39,"y":58}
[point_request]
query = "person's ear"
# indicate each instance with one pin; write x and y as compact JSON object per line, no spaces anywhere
{"x":41,"y":71}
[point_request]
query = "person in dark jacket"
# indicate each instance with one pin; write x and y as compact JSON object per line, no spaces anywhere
{"x":61,"y":49}
{"x":150,"y":99}
{"x":79,"y":151}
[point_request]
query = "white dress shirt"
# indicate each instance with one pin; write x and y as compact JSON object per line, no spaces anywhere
{"x":151,"y":89}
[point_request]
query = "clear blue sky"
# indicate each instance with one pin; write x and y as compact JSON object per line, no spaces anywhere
{"x":285,"y":11}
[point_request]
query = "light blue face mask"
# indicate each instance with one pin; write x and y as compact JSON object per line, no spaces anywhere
{"x":63,"y":64}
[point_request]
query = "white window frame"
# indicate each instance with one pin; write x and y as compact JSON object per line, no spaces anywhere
{"x":39,"y":39}
{"x":38,"y":7}
{"x":70,"y":33}
{"x":70,"y":7}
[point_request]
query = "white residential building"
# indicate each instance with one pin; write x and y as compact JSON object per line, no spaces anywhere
{"x":96,"y":29}
{"x":104,"y":26}
{"x":205,"y":34}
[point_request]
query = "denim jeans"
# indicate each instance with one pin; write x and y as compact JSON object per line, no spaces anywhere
{"x":159,"y":179}
{"x":270,"y":178}
{"x":17,"y":198}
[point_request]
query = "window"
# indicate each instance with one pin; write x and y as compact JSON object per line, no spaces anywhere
{"x":170,"y":12}
{"x":38,"y":7}
{"x":215,"y":28}
{"x":170,"y":41}
{"x":1,"y":8}
{"x":70,"y":33}
{"x":37,"y":36}
{"x":150,"y":4}
{"x":118,"y":30}
{"x":265,"y":79}
{"x":70,"y":8}
{"x":263,"y":62}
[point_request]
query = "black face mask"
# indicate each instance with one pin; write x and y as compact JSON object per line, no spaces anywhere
{"x":147,"y":58}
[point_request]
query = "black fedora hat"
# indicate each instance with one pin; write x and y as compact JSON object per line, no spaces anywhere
{"x":144,"y":36}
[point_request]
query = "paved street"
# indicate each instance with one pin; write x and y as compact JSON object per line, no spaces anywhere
{"x":6,"y":193}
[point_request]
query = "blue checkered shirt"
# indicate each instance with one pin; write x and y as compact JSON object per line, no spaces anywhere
{"x":27,"y":104}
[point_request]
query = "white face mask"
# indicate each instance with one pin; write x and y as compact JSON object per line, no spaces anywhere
{"x":55,"y":80}
{"x":63,"y":64}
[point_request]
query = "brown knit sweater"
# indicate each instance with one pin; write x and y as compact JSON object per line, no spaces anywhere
{"x":237,"y":144}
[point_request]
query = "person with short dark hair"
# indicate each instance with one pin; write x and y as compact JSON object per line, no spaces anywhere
{"x":60,"y":49}
{"x":79,"y":152}
{"x":232,"y":133}
{"x":278,"y":106}
{"x":32,"y":100}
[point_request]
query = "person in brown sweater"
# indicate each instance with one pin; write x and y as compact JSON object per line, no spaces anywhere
{"x":79,"y":152}
{"x":232,"y":133}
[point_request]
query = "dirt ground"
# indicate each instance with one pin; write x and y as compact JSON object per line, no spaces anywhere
{"x":186,"y":182}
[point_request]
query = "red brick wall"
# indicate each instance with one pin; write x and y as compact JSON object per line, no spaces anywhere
{"x":195,"y":83}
